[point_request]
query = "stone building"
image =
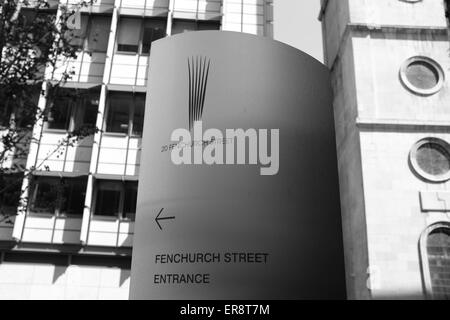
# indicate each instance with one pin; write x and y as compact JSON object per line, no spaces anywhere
{"x":390,"y":65}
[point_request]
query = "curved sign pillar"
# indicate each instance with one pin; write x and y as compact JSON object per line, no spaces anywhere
{"x":238,"y":192}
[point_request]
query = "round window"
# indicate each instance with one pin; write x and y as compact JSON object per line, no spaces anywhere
{"x":422,"y":75}
{"x":430,"y":159}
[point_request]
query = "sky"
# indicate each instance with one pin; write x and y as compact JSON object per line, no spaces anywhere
{"x":296,"y":24}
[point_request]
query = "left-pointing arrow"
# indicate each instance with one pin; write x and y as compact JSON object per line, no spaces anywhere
{"x":157,"y":219}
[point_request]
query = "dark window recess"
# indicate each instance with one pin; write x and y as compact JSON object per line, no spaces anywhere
{"x":151,"y":34}
{"x":90,"y":112}
{"x":118,"y":119}
{"x":5,"y":110}
{"x":126,"y":113}
{"x":72,"y":109}
{"x":61,"y":196}
{"x":10,"y":193}
{"x":73,"y":196}
{"x":138,"y":114}
{"x":110,"y":262}
{"x":23,"y":107}
{"x":438,"y":249}
{"x":130,"y":200}
{"x":108,"y":199}
{"x":122,"y":262}
{"x":59,"y":116}
{"x":36,"y":258}
{"x":116,"y":199}
{"x":181,"y":26}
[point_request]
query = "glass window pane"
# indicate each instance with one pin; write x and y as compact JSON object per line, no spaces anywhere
{"x":46,"y":192}
{"x":99,"y":33}
{"x":153,"y":30}
{"x":438,"y":249}
{"x":73,"y":196}
{"x":60,"y":111}
{"x":433,"y":159}
{"x":129,"y":33}
{"x":10,"y":186}
{"x":77,"y":36}
{"x":181,"y":26}
{"x":5,"y":110}
{"x":91,"y":111}
{"x":208,"y":25}
{"x":108,"y":198}
{"x":139,"y":113}
{"x":129,"y":209}
{"x":119,"y":112}
{"x":422,"y":75}
{"x":25,"y":113}
{"x":87,"y":109}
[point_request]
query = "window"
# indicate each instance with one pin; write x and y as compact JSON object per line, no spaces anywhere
{"x":430,"y":158}
{"x":422,"y":75}
{"x":435,"y":257}
{"x":59,"y":196}
{"x":181,"y":26}
{"x":59,"y":116}
{"x":93,"y":35}
{"x":126,"y":113}
{"x":116,"y":199}
{"x":153,"y":30}
{"x":72,"y":109}
{"x":10,"y":193}
{"x":22,"y":108}
{"x":5,"y":110}
{"x":137,"y":35}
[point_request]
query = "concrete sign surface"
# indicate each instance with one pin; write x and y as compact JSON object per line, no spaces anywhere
{"x":238,"y":192}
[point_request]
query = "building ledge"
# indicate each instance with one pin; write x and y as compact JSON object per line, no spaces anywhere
{"x":80,"y":250}
{"x":402,"y":124}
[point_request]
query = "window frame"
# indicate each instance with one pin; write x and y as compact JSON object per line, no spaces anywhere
{"x":420,"y":91}
{"x":423,"y":257}
{"x":17,"y":181}
{"x":57,"y":211}
{"x":416,"y":167}
{"x":84,"y":47}
{"x":7,"y":112}
{"x":141,"y":34}
{"x":131,"y":113}
{"x":77,"y":111}
{"x":121,"y":216}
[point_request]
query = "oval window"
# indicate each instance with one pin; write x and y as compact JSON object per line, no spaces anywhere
{"x":422,"y":75}
{"x":430,"y":159}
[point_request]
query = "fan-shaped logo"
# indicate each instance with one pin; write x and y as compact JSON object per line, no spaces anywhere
{"x":198,"y":68}
{"x":215,"y":146}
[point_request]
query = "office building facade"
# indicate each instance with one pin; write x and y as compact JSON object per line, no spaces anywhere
{"x":74,"y":237}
